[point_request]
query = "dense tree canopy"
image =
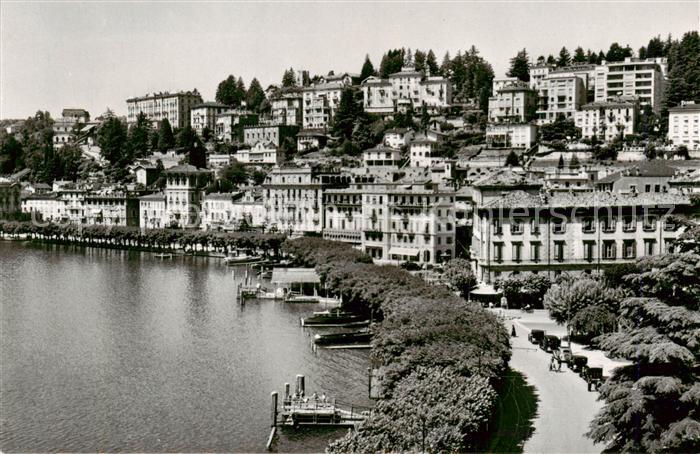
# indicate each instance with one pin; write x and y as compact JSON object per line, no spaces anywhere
{"x":653,"y":405}
{"x":230,"y":92}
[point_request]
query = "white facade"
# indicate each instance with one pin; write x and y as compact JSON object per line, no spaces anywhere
{"x":643,"y":79}
{"x":226,"y":122}
{"x":183,"y":195}
{"x":63,"y":132}
{"x":511,"y":135}
{"x":406,"y":88}
{"x":406,"y":221}
{"x":286,"y":109}
{"x":45,"y":207}
{"x":397,"y":137}
{"x":152,"y":212}
{"x":159,"y":106}
{"x":560,"y":95}
{"x":607,"y":120}
{"x":260,"y":153}
{"x":684,"y":125}
{"x":381,"y":157}
{"x":204,"y":116}
{"x":513,"y":103}
{"x":320,"y":104}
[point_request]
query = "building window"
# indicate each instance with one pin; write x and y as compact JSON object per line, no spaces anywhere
{"x":629,"y":224}
{"x":498,"y":252}
{"x":516,"y":227}
{"x":497,"y":230}
{"x":588,"y":225}
{"x":609,"y":250}
{"x":558,"y":226}
{"x":589,"y":250}
{"x":535,"y":252}
{"x":629,"y":249}
{"x":649,"y":247}
{"x":559,"y":251}
{"x":534,"y":227}
{"x":609,"y":224}
{"x":649,"y":224}
{"x":517,"y":252}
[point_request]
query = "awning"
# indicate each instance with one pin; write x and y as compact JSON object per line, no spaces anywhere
{"x":403,"y":251}
{"x":295,"y":276}
{"x":485,"y":290}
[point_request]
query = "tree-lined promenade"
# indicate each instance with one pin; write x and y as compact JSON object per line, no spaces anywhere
{"x":146,"y":239}
{"x":442,"y":358}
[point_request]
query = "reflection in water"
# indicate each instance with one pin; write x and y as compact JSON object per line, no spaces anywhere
{"x":111,"y":350}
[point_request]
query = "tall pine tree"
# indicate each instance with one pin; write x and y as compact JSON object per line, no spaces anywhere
{"x":520,"y":66}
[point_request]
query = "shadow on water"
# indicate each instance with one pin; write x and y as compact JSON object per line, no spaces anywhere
{"x":306,"y":439}
{"x":516,"y":411}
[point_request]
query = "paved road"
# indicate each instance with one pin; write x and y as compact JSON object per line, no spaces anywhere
{"x":565,"y":408}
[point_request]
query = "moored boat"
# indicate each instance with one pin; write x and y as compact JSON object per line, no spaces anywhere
{"x":354,"y":338}
{"x":241,"y":259}
{"x":335,"y":317}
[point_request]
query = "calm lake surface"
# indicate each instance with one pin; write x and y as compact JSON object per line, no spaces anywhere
{"x":106,"y":350}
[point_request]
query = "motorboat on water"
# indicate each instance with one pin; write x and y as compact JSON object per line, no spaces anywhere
{"x":334,"y":317}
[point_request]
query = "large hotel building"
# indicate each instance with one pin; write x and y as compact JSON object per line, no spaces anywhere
{"x":158,"y":106}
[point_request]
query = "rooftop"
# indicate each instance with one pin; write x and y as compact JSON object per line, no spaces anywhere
{"x":655,"y":168}
{"x":294,"y":275}
{"x":506,"y":177}
{"x":522,"y":199}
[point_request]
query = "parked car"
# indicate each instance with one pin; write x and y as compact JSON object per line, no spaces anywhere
{"x":535,"y":336}
{"x":577,"y":363}
{"x":562,"y":354}
{"x":549,"y":343}
{"x":593,"y":377}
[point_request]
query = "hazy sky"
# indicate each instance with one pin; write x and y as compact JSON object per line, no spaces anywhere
{"x":94,"y":55}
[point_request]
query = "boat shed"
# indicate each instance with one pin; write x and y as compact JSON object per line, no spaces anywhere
{"x":303,"y":280}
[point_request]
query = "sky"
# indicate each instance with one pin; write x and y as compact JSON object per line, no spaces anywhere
{"x":95,"y":55}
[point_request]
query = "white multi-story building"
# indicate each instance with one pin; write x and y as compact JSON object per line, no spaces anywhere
{"x":634,"y":77}
{"x":274,"y":134}
{"x":286,"y":109}
{"x":398,"y":137}
{"x":204,"y":116}
{"x":152,"y":212}
{"x":260,"y":153}
{"x":561,"y":94}
{"x":293,"y":198}
{"x":184,"y":186}
{"x":684,"y":125}
{"x":511,"y":135}
{"x":320,"y":103}
{"x":515,"y":102}
{"x":393,"y":222}
{"x":158,"y":106}
{"x":63,"y":132}
{"x":404,"y":89}
{"x":231,"y":211}
{"x":45,"y":207}
{"x":573,"y":232}
{"x":381,"y":157}
{"x":229,"y":124}
{"x":111,"y":209}
{"x":607,"y":120}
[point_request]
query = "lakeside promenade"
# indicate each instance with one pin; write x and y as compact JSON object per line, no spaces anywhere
{"x":565,"y":407}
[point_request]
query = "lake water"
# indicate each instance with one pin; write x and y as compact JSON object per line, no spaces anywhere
{"x":106,"y":350}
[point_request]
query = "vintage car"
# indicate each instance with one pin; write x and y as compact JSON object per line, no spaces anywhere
{"x":593,"y":377}
{"x":562,"y":355}
{"x":535,"y":336}
{"x":577,"y":363}
{"x":549,"y":343}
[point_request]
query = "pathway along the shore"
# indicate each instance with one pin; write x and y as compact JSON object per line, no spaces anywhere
{"x":564,"y":409}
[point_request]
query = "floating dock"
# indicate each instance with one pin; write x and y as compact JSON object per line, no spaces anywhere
{"x":300,"y":410}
